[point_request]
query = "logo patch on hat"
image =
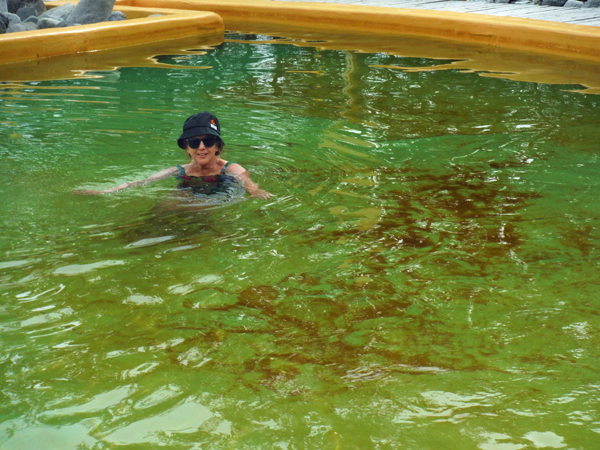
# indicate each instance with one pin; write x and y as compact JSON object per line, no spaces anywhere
{"x":213,"y":124}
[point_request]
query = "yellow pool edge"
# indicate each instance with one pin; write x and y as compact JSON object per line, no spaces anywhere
{"x":566,"y":40}
{"x":48,"y":43}
{"x":186,"y":18}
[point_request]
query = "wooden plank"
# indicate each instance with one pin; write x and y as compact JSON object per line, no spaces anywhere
{"x":586,"y":16}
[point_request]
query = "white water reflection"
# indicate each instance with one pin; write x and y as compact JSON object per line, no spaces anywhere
{"x":21,"y":435}
{"x":184,"y":418}
{"x":546,"y":439}
{"x":76,"y":269}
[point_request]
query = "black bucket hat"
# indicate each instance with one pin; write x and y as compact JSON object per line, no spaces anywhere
{"x":199,"y":124}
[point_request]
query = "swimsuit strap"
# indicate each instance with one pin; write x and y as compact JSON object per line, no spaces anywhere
{"x":224,"y":169}
{"x":181,"y":171}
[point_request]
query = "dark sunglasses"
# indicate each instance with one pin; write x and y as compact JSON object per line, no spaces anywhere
{"x":208,"y":141}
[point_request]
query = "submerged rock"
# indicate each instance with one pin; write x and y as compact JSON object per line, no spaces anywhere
{"x":573,"y":4}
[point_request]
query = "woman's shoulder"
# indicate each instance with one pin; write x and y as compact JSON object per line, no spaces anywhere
{"x":233,"y":167}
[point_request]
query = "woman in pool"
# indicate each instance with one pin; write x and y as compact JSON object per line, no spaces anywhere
{"x":201,"y":139}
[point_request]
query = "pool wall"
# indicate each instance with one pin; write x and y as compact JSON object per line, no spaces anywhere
{"x":187,"y":18}
{"x":567,"y":40}
{"x":48,"y":43}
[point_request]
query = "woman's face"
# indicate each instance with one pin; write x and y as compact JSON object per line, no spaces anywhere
{"x":200,"y":150}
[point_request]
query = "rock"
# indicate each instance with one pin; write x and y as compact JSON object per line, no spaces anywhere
{"x":12,"y":18}
{"x":554,"y":2}
{"x":3,"y":7}
{"x":91,"y":11}
{"x":26,"y":11}
{"x":32,"y":19}
{"x":14,"y":27}
{"x":13,"y":5}
{"x":51,"y":22}
{"x":592,"y":4}
{"x":4,"y":18}
{"x":573,"y":4}
{"x":29,"y":26}
{"x":116,"y":15}
{"x":60,"y":12}
{"x":39,"y":5}
{"x":2,"y":27}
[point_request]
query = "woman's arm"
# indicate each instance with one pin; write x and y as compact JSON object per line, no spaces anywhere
{"x":155,"y":177}
{"x":251,"y":187}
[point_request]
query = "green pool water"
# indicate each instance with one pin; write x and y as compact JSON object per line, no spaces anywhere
{"x":426,"y":276}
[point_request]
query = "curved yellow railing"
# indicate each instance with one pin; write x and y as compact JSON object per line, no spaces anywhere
{"x":48,"y":43}
{"x":207,"y":18}
{"x":565,"y":40}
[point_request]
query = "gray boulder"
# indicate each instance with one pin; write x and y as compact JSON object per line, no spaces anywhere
{"x":554,"y":2}
{"x":50,"y":22}
{"x":32,"y":19}
{"x":14,"y":27}
{"x":13,"y":5}
{"x":39,"y":5}
{"x":2,"y":27}
{"x":12,"y":18}
{"x":592,"y":4}
{"x":4,"y":18}
{"x":91,"y":11}
{"x":573,"y":4}
{"x":29,"y":26}
{"x":26,"y":11}
{"x":3,"y":6}
{"x":60,"y":12}
{"x":116,"y":16}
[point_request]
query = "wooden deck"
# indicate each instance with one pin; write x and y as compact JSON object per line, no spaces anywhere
{"x":581,"y":16}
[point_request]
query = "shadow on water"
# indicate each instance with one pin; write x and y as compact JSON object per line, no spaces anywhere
{"x":440,"y":238}
{"x":184,"y":214}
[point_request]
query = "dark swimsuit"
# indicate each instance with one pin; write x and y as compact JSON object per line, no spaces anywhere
{"x":206,"y":184}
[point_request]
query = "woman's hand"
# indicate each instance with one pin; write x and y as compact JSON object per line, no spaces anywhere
{"x":261,"y":193}
{"x":157,"y":176}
